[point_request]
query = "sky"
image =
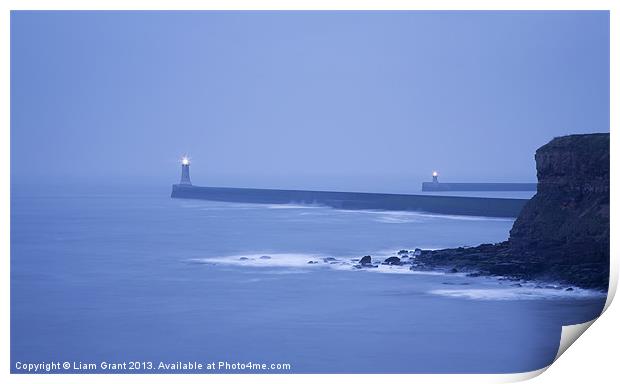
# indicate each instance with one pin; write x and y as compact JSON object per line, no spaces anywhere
{"x":365,"y":101}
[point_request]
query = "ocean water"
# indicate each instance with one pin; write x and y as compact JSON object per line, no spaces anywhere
{"x":142,"y":277}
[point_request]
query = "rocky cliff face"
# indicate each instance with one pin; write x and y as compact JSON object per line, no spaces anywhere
{"x":562,"y":233}
{"x":565,"y":226}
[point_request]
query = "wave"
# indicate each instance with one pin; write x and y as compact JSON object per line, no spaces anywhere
{"x":293,"y":206}
{"x":291,"y":260}
{"x":479,"y":288}
{"x":398,"y":219}
{"x":419,"y":216}
{"x":519,"y":293}
{"x":309,"y":260}
{"x":383,"y":216}
{"x":403,"y":270}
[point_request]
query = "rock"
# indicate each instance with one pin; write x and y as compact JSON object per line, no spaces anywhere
{"x":366,"y":260}
{"x":562,"y":233}
{"x":393,"y":260}
{"x":265,"y":257}
{"x":566,"y":223}
{"x":328,"y":259}
{"x":313,"y":262}
{"x":243,"y":258}
{"x":569,"y":289}
{"x":403,"y":252}
{"x":454,"y":270}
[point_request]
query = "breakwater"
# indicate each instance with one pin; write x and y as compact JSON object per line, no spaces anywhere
{"x":448,"y":205}
{"x":437,"y":186}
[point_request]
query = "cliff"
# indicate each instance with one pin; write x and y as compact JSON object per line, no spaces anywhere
{"x":562,"y":233}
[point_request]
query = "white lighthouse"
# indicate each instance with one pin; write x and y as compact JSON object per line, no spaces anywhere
{"x":185,"y":171}
{"x":435,"y":177}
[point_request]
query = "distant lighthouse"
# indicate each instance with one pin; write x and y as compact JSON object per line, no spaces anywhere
{"x":435,"y":177}
{"x":185,"y":171}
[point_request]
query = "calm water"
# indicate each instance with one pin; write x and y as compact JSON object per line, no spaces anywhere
{"x":116,"y":277}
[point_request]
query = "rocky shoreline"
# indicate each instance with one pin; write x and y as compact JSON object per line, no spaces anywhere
{"x":562,"y":233}
{"x":483,"y":260}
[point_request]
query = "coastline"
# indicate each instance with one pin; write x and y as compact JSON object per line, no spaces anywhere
{"x":562,"y":233}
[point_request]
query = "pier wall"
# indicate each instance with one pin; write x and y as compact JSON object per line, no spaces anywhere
{"x":436,"y":186}
{"x":449,"y":205}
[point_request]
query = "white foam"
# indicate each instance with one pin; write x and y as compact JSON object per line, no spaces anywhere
{"x":398,"y":219}
{"x":293,"y":206}
{"x":402,"y":270}
{"x":419,"y":216}
{"x":488,"y":288}
{"x":304,"y":261}
{"x":518,"y":293}
{"x":465,"y":218}
{"x":287,"y":260}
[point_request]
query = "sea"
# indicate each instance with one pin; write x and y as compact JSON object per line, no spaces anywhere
{"x":115,"y":277}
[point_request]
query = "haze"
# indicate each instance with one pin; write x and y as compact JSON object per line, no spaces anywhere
{"x":369,"y":101}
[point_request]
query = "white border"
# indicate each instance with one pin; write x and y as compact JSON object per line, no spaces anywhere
{"x":595,"y":361}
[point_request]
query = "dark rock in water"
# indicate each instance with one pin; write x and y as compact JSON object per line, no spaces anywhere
{"x":358,"y":266}
{"x":403,"y":252}
{"x":366,"y":260}
{"x":328,"y":259}
{"x":562,"y":233}
{"x":454,"y":270}
{"x":508,"y":278}
{"x":417,"y":252}
{"x":243,"y":258}
{"x":393,"y":260}
{"x":569,"y":289}
{"x":265,"y":257}
{"x":313,"y":262}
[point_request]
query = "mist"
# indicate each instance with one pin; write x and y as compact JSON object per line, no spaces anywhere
{"x":366,"y":101}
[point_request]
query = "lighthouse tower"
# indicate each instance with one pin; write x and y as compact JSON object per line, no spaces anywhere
{"x":435,"y":177}
{"x":185,"y":171}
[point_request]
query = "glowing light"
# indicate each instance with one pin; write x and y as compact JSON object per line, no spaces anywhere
{"x":435,"y":174}
{"x":185,"y":160}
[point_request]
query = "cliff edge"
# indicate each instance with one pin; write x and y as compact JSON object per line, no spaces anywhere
{"x":562,"y":233}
